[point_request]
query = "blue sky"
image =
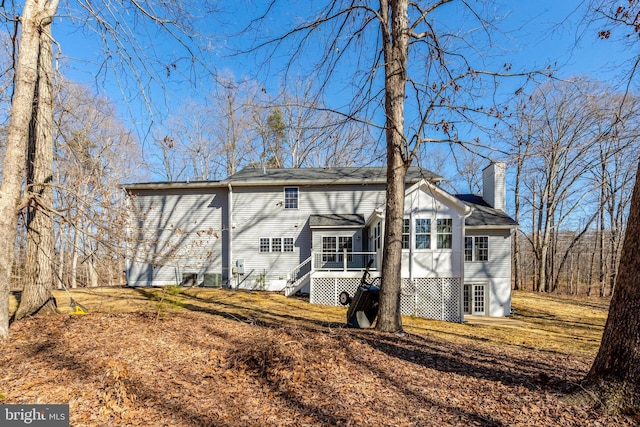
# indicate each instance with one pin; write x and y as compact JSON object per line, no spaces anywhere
{"x":537,"y":34}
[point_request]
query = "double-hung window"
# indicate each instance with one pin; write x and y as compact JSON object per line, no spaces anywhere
{"x":476,"y":248}
{"x":333,"y":248}
{"x":288,"y":244}
{"x":406,"y":233}
{"x":444,"y":233}
{"x":291,"y":197}
{"x":345,"y":243}
{"x":276,"y":244}
{"x":329,"y":247}
{"x":423,"y":233}
{"x":377,"y":236}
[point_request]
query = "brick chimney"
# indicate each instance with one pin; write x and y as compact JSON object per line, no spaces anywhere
{"x":493,"y":185}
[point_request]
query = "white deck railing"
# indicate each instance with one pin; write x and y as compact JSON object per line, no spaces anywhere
{"x":342,"y":261}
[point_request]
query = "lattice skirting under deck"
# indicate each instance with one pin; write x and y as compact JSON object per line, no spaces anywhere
{"x":430,"y":298}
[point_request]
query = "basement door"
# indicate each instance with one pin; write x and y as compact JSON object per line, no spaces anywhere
{"x":475,"y":296}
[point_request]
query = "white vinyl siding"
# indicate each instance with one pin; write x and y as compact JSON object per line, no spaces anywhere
{"x":175,"y":232}
{"x":496,"y":273}
{"x":258,"y":212}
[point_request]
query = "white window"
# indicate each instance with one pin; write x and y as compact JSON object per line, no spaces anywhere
{"x":329,"y":249}
{"x":291,"y":197}
{"x":476,"y":248}
{"x":265,"y":244}
{"x":276,"y":244}
{"x":345,"y":243}
{"x":423,"y":233}
{"x":288,"y":244}
{"x":406,"y":233}
{"x":377,"y":235}
{"x":444,"y":233}
{"x":333,"y":248}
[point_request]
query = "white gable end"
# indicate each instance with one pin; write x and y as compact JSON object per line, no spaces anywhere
{"x":435,"y":241}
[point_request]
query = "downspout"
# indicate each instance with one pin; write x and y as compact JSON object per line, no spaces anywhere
{"x":230,"y":237}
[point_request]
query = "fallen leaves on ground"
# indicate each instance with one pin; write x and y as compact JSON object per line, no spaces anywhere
{"x":195,"y":368}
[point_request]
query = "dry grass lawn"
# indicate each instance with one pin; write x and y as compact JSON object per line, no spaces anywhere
{"x":216,"y":357}
{"x":562,"y":324}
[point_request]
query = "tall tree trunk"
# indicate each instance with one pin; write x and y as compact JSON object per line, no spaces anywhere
{"x":615,"y":373}
{"x":601,"y":244}
{"x":60,"y":275}
{"x":516,"y":236}
{"x":543,"y":250}
{"x":536,"y":239}
{"x":593,"y":261}
{"x":396,"y":44}
{"x":73,"y":277}
{"x":36,"y":295}
{"x":15,"y":152}
{"x":93,"y":273}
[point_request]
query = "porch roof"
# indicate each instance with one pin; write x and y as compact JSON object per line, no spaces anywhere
{"x":336,"y":221}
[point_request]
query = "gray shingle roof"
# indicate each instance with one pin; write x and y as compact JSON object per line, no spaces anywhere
{"x":339,"y":175}
{"x":483,"y":214}
{"x":299,"y":176}
{"x":336,"y":220}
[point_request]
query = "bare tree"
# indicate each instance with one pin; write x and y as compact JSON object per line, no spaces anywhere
{"x":317,"y":136}
{"x":614,"y":378}
{"x":94,"y":155}
{"x":36,"y":18}
{"x":614,"y":176}
{"x":168,"y":158}
{"x":114,"y":24}
{"x":36,"y":295}
{"x":233,"y":103}
{"x":519,"y":136}
{"x":555,"y":139}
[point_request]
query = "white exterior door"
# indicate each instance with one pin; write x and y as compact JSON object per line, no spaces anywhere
{"x":475,"y":299}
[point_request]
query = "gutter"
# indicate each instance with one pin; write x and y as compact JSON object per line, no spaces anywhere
{"x":491,"y":227}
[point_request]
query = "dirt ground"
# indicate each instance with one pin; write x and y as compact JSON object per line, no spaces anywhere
{"x":195,"y":363}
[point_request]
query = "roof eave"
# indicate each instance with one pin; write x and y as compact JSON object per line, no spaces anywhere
{"x":491,"y":227}
{"x":172,"y":185}
{"x":357,"y":227}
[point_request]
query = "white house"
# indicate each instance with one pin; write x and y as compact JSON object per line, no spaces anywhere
{"x":314,"y":230}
